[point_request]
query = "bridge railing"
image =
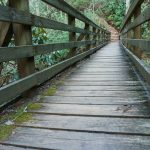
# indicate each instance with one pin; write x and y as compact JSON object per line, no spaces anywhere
{"x":16,"y":19}
{"x":132,"y":35}
{"x":131,"y":32}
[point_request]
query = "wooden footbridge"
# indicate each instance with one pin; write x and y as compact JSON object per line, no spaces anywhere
{"x":104,"y":101}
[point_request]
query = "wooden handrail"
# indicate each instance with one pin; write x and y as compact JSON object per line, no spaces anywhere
{"x":18,"y":52}
{"x":65,"y":7}
{"x":131,"y":33}
{"x":142,"y":18}
{"x":22,"y":20}
{"x":131,"y":37}
{"x":130,"y":13}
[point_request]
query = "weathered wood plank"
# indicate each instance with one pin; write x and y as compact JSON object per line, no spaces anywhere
{"x":5,"y":37}
{"x":93,"y":100}
{"x":28,"y":82}
{"x":107,"y":75}
{"x":144,"y":70}
{"x":22,"y":17}
{"x":128,"y":111}
{"x":28,"y":51}
{"x":104,"y":69}
{"x":102,"y":78}
{"x":4,"y":29}
{"x":102,"y":83}
{"x":9,"y":147}
{"x":101,"y":88}
{"x":106,"y":72}
{"x":90,"y":114}
{"x":144,"y":45}
{"x":132,"y":8}
{"x":102,"y":93}
{"x":53,"y":139}
{"x":92,"y":124}
{"x":142,"y":18}
{"x":72,"y":35}
{"x":23,"y":36}
{"x":105,"y":65}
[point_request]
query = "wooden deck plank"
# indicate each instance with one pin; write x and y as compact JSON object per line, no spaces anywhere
{"x":102,"y":83}
{"x":102,"y":93}
{"x":64,"y":140}
{"x":102,"y":105}
{"x":101,"y":88}
{"x":92,"y":124}
{"x":9,"y":147}
{"x":103,"y":78}
{"x":93,"y":100}
{"x":96,"y":110}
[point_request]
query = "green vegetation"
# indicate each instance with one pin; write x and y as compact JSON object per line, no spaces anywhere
{"x":50,"y":91}
{"x":113,"y":11}
{"x":34,"y":106}
{"x":18,"y":116}
{"x":6,"y":131}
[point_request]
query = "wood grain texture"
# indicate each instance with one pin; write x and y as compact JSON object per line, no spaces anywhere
{"x":131,"y":10}
{"x":140,"y":19}
{"x":23,"y":36}
{"x":95,"y":110}
{"x":64,"y":140}
{"x":9,"y":14}
{"x":28,"y":51}
{"x":38,"y":78}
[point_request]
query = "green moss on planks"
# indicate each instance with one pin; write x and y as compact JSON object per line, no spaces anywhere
{"x":19,"y":116}
{"x":50,"y":91}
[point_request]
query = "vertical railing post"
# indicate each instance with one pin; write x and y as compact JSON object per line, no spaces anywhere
{"x":106,"y":37}
{"x":103,"y":37}
{"x":87,"y":37}
{"x":98,"y":37}
{"x":96,"y":33}
{"x":94,"y":36}
{"x":23,"y":36}
{"x":137,"y":32}
{"x":128,"y":35}
{"x":72,"y":35}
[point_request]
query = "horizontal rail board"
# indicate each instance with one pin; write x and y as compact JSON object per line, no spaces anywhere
{"x":132,"y":8}
{"x":15,"y":16}
{"x":143,"y":69}
{"x":13,"y":90}
{"x":65,"y":7}
{"x":144,"y":45}
{"x":29,"y":51}
{"x":142,"y":18}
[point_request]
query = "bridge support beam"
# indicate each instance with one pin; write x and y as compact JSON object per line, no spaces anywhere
{"x":88,"y":37}
{"x":137,"y":33}
{"x":72,"y":35}
{"x":23,"y":36}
